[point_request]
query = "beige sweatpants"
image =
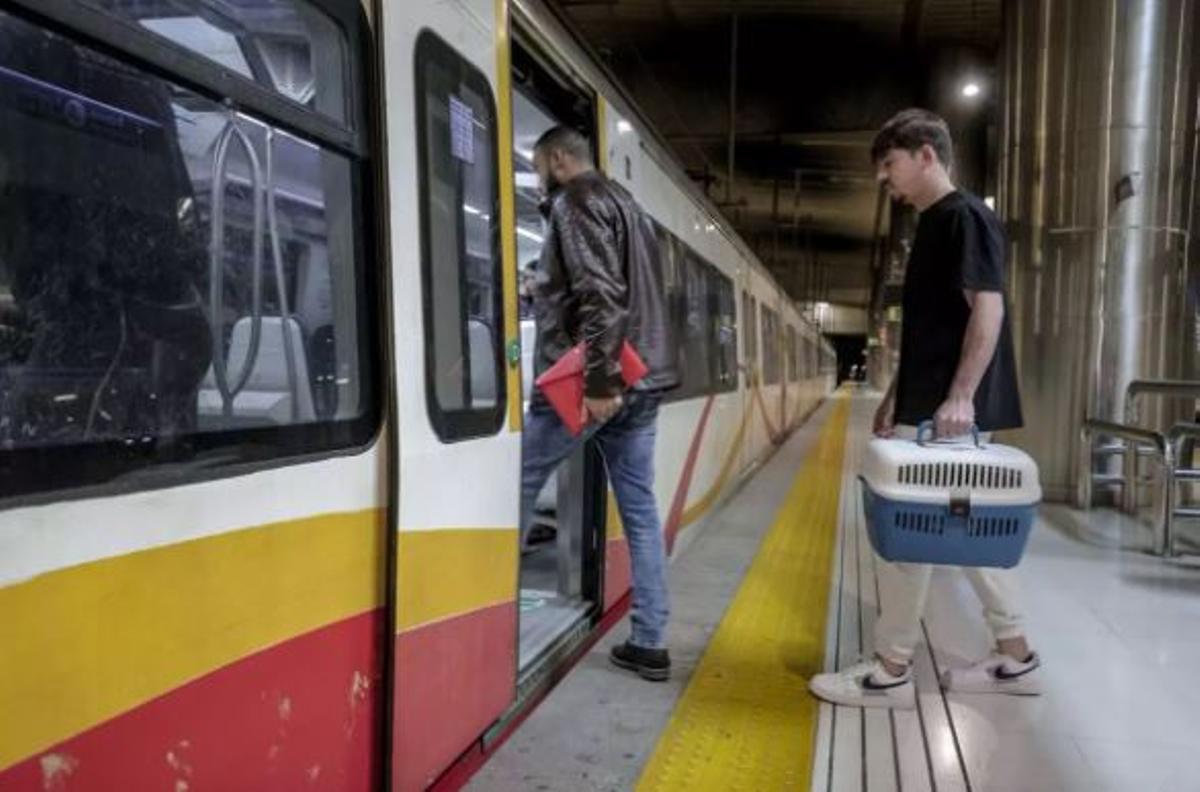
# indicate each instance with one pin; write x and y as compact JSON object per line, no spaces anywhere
{"x":903,"y":589}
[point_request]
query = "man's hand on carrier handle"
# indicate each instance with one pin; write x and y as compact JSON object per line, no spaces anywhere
{"x":955,"y":417}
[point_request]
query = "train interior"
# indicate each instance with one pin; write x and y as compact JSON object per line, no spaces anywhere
{"x":220,"y":333}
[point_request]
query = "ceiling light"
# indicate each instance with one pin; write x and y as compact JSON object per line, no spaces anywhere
{"x":526,"y":154}
{"x":624,"y":127}
{"x":971,"y":90}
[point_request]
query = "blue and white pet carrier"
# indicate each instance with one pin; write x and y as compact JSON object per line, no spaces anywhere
{"x":957,"y":503}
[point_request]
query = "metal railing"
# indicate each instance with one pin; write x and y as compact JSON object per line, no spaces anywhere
{"x":1139,"y":440}
{"x":1174,"y":389}
{"x":1132,"y":443}
{"x":1179,"y":437}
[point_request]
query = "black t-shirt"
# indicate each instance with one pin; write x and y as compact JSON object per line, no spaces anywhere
{"x":959,"y":245}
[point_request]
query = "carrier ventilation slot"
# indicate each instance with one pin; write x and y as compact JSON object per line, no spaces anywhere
{"x":945,"y":475}
{"x":993,"y":527}
{"x":916,"y":522}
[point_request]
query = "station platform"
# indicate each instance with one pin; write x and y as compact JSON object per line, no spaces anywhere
{"x":780,"y":584}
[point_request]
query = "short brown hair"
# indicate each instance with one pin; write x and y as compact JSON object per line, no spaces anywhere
{"x":567,"y":140}
{"x":909,"y":130}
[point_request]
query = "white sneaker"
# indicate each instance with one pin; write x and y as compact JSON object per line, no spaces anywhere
{"x":997,"y":673}
{"x":867,"y":684}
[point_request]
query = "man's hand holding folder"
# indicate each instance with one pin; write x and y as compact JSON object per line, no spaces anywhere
{"x":562,"y":384}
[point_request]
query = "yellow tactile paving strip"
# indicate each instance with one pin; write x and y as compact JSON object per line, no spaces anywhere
{"x":746,"y":720}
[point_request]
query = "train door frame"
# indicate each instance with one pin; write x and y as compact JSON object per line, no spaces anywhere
{"x":559,"y":91}
{"x":376,"y":93}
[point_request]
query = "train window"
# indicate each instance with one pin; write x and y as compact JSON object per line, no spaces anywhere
{"x":703,"y":311}
{"x":770,"y":343}
{"x":286,"y":46}
{"x":461,"y":263}
{"x":749,"y":322}
{"x":693,"y":334}
{"x":746,"y":318}
{"x":751,"y":325}
{"x":724,"y":322}
{"x":214,"y":303}
{"x":672,"y":263}
{"x":792,"y":355}
{"x":798,"y":354}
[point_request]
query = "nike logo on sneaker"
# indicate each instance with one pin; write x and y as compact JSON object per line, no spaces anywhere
{"x":1005,"y":676}
{"x":870,"y":684}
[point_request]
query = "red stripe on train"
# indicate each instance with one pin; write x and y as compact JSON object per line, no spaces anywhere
{"x":455,"y":678}
{"x":457,"y":776}
{"x":617,"y":572}
{"x":675,"y":517}
{"x":304,"y":714}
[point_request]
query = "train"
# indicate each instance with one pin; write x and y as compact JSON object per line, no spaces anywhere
{"x":263,"y":367}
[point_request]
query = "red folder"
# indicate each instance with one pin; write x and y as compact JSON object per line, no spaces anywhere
{"x":562,"y":383}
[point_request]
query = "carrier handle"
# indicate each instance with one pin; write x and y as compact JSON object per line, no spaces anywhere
{"x":927,"y":427}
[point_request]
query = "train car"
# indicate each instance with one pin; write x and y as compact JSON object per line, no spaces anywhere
{"x":263,"y":366}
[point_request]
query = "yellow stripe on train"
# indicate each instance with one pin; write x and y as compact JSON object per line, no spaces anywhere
{"x":84,"y":644}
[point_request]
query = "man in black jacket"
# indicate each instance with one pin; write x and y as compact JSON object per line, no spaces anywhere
{"x":600,"y":282}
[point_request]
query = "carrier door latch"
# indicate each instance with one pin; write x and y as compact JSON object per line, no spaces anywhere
{"x":960,"y":504}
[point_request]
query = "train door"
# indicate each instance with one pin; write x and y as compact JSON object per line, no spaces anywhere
{"x":458,"y":401}
{"x":559,"y":562}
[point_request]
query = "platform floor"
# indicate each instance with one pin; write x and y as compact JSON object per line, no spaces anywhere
{"x":1119,"y":632}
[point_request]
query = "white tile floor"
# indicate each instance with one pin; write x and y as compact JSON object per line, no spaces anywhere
{"x":1119,"y":633}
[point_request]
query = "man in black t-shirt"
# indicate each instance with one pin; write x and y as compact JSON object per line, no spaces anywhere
{"x":957,"y":369}
{"x":956,"y":357}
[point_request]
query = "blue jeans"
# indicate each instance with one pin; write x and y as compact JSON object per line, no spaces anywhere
{"x":626,"y":442}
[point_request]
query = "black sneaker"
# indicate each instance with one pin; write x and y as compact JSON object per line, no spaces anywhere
{"x":652,"y":664}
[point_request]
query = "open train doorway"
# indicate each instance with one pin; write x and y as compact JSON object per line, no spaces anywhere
{"x":560,"y":560}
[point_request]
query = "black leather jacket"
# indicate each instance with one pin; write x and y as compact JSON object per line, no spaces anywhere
{"x":600,"y":281}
